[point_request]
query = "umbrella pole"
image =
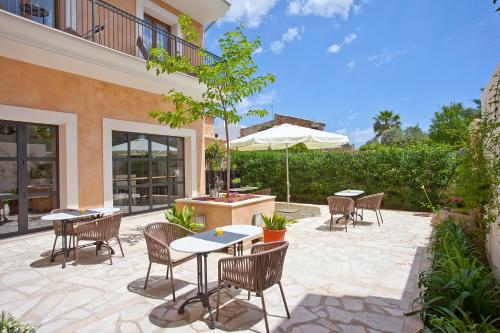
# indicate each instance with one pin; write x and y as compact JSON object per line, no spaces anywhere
{"x":287,"y":177}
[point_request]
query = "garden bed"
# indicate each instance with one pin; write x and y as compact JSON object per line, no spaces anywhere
{"x":237,"y":209}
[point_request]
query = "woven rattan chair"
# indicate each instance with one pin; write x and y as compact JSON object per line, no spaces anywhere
{"x":341,"y":205}
{"x":255,"y":272}
{"x":371,"y":202}
{"x":100,"y":230}
{"x":158,"y":236}
{"x":58,"y":227}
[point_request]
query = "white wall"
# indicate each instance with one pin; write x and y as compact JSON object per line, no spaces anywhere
{"x":493,"y":246}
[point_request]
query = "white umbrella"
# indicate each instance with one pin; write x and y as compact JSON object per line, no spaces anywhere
{"x":285,"y":136}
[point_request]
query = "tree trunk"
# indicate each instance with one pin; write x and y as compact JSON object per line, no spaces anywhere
{"x":228,"y":159}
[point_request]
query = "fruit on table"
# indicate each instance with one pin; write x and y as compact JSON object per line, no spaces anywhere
{"x":82,"y":211}
{"x":218,"y":231}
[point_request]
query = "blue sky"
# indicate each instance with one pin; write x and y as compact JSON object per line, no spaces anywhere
{"x":341,"y":61}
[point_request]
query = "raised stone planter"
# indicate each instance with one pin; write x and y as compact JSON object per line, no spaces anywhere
{"x":218,"y":214}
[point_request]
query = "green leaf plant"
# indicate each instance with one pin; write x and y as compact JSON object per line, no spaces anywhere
{"x":227,"y":82}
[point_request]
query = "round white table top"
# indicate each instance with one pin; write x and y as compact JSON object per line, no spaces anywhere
{"x":207,"y":241}
{"x":349,"y":193}
{"x":77,"y":214}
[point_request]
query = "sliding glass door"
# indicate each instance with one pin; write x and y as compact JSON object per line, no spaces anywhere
{"x":28,"y":176}
{"x":148,"y":171}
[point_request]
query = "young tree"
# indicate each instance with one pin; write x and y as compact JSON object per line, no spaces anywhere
{"x":384,"y":121}
{"x":452,"y":123}
{"x":227,"y":82}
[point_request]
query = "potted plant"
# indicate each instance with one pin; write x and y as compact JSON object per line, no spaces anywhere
{"x":184,"y":217}
{"x":275,"y":227}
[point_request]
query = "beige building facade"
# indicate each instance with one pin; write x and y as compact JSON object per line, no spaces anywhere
{"x":75,"y":98}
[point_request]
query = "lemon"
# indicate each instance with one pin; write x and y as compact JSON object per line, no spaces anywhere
{"x":218,"y":231}
{"x":82,"y":211}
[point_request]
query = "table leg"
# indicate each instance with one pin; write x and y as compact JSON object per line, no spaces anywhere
{"x":64,"y":242}
{"x":203,"y":295}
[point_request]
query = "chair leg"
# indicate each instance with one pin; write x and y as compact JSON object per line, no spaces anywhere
{"x":120,"y":243}
{"x":172,"y":281}
{"x":264,"y":310}
{"x":76,"y":249}
{"x":109,"y":252}
{"x":381,"y":219}
{"x":168,"y":271}
{"x":249,"y":294}
{"x":331,"y":221}
{"x":54,"y":247}
{"x":218,"y":302}
{"x":346,"y":218}
{"x":355,"y":218}
{"x":378,"y":221}
{"x":147,"y":276}
{"x":284,"y":300}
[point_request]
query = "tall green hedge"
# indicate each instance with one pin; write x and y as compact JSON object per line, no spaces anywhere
{"x":314,"y":175}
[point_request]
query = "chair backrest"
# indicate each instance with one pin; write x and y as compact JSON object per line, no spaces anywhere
{"x":158,"y":237}
{"x":372,"y":201}
{"x":103,"y":228}
{"x":268,"y":265}
{"x":340,"y":205}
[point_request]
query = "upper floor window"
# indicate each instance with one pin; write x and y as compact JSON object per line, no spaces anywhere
{"x":158,"y":37}
{"x":41,"y":11}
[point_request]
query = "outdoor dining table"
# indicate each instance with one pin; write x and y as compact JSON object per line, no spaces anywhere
{"x":353,"y":194}
{"x":71,"y":217}
{"x":204,"y":243}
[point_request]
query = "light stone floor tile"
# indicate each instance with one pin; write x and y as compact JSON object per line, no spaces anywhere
{"x":360,"y":281}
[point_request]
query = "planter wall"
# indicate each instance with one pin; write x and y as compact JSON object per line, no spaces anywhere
{"x":219,"y":214}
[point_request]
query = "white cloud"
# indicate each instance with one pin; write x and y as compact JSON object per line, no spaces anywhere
{"x":385,"y":56}
{"x":353,"y":116}
{"x":322,"y":8}
{"x":288,"y":36}
{"x":262,"y":100}
{"x":357,"y":136}
{"x":250,"y":12}
{"x":259,"y":50}
{"x":276,"y":46}
{"x":350,"y":38}
{"x":351,"y":64}
{"x":336,"y":47}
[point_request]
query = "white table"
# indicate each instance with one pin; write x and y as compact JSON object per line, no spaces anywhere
{"x":70,"y":217}
{"x":202,"y":244}
{"x":350,"y":194}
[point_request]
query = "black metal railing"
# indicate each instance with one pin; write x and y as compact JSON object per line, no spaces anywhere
{"x":107,"y":25}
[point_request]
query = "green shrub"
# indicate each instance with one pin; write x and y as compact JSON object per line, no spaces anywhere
{"x":315,"y":175}
{"x":459,"y":291}
{"x":185,"y":217}
{"x":8,"y":324}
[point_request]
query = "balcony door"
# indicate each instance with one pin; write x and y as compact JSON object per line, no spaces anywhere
{"x":28,"y":176}
{"x":158,"y":36}
{"x":41,"y":11}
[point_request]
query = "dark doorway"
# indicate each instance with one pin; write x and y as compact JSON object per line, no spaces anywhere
{"x":29,"y":184}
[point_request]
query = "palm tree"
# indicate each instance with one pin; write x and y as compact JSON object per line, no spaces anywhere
{"x":384,"y":121}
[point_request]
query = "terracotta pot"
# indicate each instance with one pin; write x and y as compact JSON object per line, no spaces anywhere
{"x":273,"y":235}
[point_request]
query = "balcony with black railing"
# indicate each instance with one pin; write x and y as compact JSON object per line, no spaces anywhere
{"x":106,"y":25}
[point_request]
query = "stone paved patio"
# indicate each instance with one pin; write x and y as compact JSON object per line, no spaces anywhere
{"x":359,"y":281}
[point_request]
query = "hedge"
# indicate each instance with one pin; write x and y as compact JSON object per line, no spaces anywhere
{"x":399,"y":172}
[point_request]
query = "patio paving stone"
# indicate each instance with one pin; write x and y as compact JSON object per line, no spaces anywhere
{"x":360,"y":281}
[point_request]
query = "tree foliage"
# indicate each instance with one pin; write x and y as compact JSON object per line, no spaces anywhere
{"x":451,"y":124}
{"x":227,"y":82}
{"x":214,"y":156}
{"x":384,"y":121}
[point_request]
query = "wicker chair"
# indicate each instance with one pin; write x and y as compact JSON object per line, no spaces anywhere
{"x":58,"y":227}
{"x":341,"y":205}
{"x":100,"y":230}
{"x":158,"y":236}
{"x":255,"y":272}
{"x":371,"y":202}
